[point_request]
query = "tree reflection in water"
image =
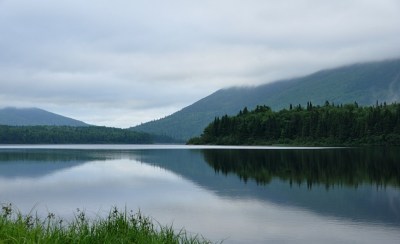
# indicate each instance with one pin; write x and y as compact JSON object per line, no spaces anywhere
{"x":330,"y":167}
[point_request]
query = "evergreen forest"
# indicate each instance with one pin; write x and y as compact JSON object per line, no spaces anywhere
{"x":70,"y":135}
{"x":329,"y":124}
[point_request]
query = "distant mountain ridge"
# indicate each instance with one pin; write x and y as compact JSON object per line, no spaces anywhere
{"x":35,"y":116}
{"x":365,"y":83}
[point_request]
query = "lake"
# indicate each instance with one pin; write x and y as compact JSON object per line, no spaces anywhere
{"x":234,"y":194}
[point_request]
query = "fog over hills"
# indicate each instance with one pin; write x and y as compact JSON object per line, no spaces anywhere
{"x":35,"y":116}
{"x":365,"y":83}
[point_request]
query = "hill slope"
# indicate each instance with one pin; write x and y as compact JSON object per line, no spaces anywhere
{"x":35,"y":116}
{"x":365,"y":83}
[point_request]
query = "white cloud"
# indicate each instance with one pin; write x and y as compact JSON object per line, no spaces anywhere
{"x":146,"y":59}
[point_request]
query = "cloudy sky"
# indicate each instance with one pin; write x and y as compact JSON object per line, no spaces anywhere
{"x":122,"y":62}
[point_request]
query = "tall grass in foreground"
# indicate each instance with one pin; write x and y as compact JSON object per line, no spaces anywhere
{"x":118,"y":227}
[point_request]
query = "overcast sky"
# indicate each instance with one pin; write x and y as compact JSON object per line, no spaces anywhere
{"x":122,"y":62}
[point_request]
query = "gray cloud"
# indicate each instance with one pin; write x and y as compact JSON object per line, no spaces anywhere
{"x":124,"y":62}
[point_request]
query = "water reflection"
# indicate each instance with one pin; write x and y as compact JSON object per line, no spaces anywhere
{"x":356,"y":202}
{"x":37,"y":163}
{"x":335,"y":167}
{"x":205,"y":191}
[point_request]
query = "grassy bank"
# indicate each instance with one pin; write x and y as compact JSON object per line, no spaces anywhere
{"x":117,"y":227}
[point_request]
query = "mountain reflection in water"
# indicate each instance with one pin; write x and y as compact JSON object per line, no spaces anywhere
{"x":331,"y":167}
{"x":246,"y":195}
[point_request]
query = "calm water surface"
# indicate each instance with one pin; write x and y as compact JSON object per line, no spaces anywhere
{"x":235,"y":194}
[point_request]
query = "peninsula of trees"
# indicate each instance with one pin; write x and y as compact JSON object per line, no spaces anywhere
{"x":44,"y":134}
{"x":329,"y":124}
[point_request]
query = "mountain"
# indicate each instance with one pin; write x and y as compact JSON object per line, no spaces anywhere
{"x":365,"y":83}
{"x":35,"y":116}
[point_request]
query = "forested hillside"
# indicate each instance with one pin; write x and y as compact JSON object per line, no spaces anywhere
{"x":70,"y":135}
{"x":35,"y":116}
{"x":329,"y":124}
{"x":364,"y":83}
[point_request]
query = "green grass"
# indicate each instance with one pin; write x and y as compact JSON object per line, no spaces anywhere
{"x":117,"y":227}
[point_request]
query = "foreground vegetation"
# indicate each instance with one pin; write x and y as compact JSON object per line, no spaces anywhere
{"x":118,"y":227}
{"x":348,"y":124}
{"x":75,"y":135}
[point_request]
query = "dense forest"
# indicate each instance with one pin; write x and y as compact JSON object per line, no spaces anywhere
{"x":70,"y":135}
{"x":330,"y":124}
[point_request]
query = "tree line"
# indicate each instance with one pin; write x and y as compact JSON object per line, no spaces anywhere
{"x":329,"y":124}
{"x":70,"y":135}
